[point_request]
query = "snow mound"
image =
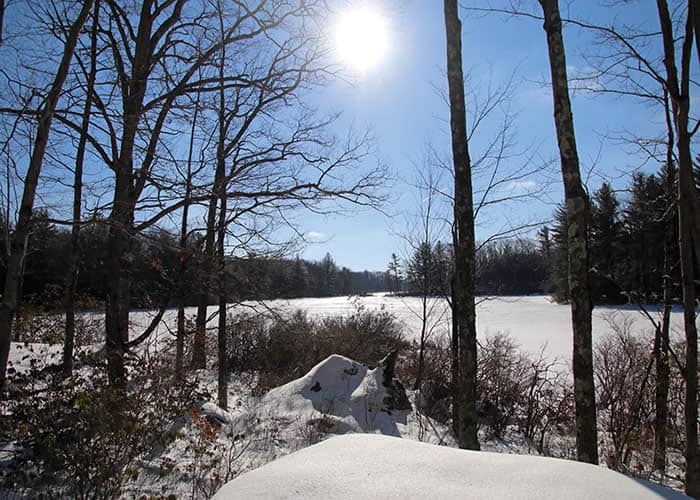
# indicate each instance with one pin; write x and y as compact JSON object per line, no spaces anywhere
{"x":346,"y":394}
{"x":374,"y":466}
{"x":336,"y":396}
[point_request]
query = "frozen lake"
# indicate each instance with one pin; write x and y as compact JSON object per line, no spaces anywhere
{"x":533,"y":321}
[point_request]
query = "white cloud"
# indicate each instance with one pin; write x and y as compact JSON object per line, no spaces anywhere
{"x":521,"y":185}
{"x":315,"y":236}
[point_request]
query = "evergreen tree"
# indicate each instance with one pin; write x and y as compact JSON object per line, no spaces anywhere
{"x":394,"y":274}
{"x":329,"y":276}
{"x":544,"y":239}
{"x":443,"y":264}
{"x":559,"y":265}
{"x":300,"y":278}
{"x":644,"y":231}
{"x":420,"y":269}
{"x":606,"y":234}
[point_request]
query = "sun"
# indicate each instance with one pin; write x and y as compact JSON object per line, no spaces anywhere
{"x":361,"y":38}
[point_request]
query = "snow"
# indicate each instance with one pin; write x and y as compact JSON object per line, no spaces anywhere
{"x":340,"y":396}
{"x":534,"y":322}
{"x":374,"y":466}
{"x":25,"y":356}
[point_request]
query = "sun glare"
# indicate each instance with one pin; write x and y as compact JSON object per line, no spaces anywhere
{"x":361,"y":38}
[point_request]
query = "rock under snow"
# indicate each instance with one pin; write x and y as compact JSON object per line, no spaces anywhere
{"x":374,"y":466}
{"x":346,"y":396}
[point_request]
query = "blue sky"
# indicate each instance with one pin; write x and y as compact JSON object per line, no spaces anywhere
{"x":400,"y":101}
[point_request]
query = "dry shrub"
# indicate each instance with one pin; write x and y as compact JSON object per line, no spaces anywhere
{"x":625,"y":399}
{"x":285,"y":348}
{"x":530,"y":393}
{"x":80,"y":438}
{"x":433,"y":398}
{"x":39,"y":326}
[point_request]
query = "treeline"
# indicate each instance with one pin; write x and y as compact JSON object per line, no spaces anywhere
{"x":156,"y":260}
{"x":626,"y":253}
{"x":626,"y":242}
{"x":507,"y":267}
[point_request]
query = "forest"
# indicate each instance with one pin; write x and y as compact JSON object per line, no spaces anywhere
{"x":168,"y":167}
{"x":155,"y":269}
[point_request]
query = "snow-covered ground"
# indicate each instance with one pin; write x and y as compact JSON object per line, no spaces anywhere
{"x":372,"y":466}
{"x":339,"y":396}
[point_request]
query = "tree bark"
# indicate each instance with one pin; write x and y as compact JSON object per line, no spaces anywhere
{"x":10,"y":297}
{"x":222,"y":386}
{"x":577,"y":207}
{"x":184,"y":257}
{"x":688,"y":232}
{"x":463,"y":306}
{"x":71,"y":280}
{"x":662,"y":338}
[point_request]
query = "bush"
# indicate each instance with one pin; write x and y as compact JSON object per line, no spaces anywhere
{"x":434,"y":397}
{"x":625,"y":399}
{"x":285,"y":348}
{"x":80,"y":438}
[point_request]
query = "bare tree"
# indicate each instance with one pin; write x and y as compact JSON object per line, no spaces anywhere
{"x":185,"y":254}
{"x":425,"y":273}
{"x":74,"y":248}
{"x":662,"y":339}
{"x":10,"y":297}
{"x":577,"y":208}
{"x":688,"y":218}
{"x":463,"y":288}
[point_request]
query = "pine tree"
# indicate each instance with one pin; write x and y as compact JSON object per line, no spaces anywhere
{"x":644,"y":230}
{"x":393,"y":274}
{"x":419,"y":272}
{"x":559,"y":265}
{"x":605,"y":241}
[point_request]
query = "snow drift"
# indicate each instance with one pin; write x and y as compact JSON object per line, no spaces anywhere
{"x":374,"y":466}
{"x":336,"y":396}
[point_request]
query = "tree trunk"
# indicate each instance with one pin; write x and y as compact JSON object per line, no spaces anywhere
{"x":691,"y":360}
{"x":10,"y":297}
{"x":199,"y":348}
{"x":689,"y":233}
{"x":222,"y":391}
{"x":220,"y":191}
{"x":118,"y":292}
{"x":71,"y":280}
{"x":425,"y":285}
{"x":662,"y":339}
{"x":184,"y":257}
{"x":121,"y":219}
{"x":577,"y":206}
{"x":463,"y":307}
{"x":454,"y":369}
